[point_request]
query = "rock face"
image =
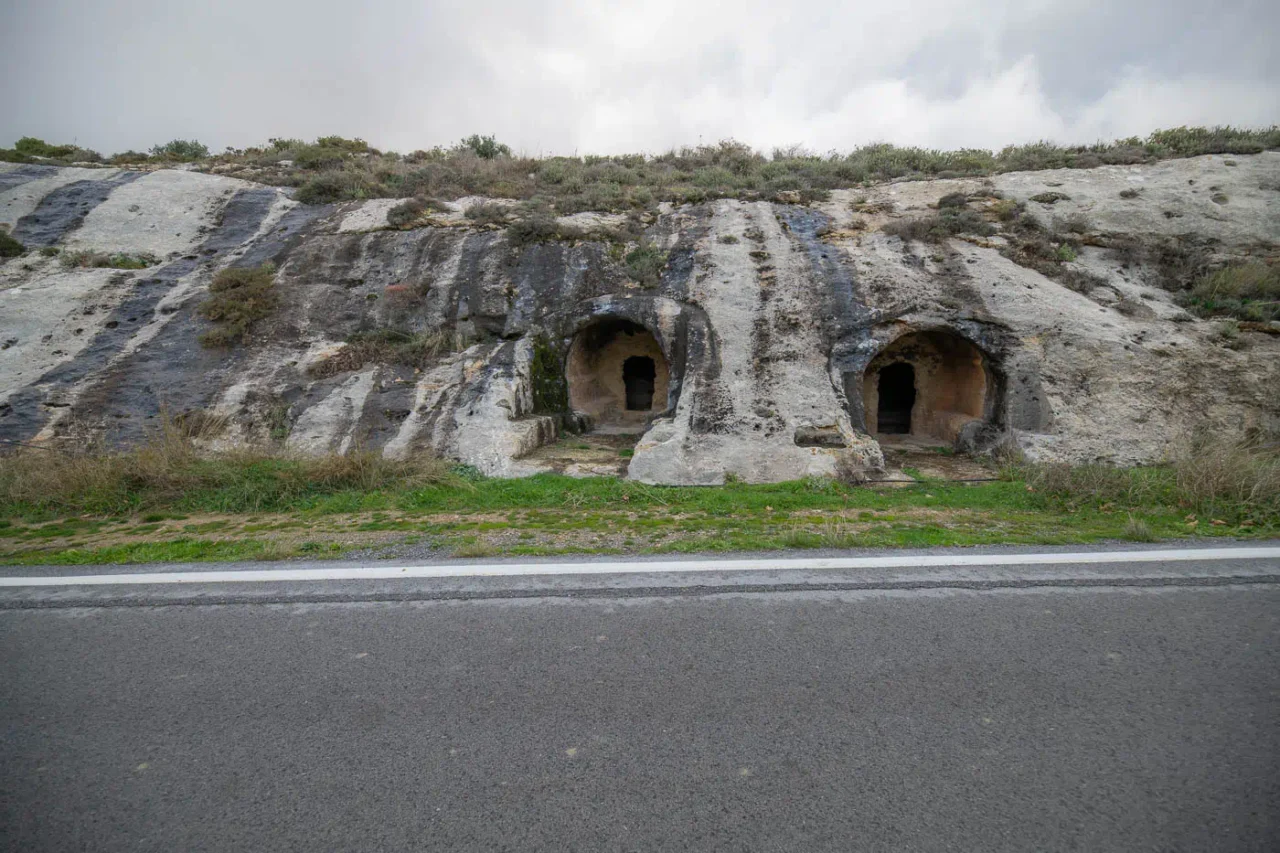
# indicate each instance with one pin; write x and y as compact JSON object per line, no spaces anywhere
{"x":778,"y":342}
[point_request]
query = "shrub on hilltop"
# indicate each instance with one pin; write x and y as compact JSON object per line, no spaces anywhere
{"x":181,"y":150}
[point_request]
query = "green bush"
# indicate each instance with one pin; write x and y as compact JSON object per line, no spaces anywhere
{"x":645,"y":264}
{"x":10,"y":247}
{"x":948,"y":222}
{"x":535,"y":226}
{"x":536,"y":223}
{"x":324,"y":189}
{"x":406,"y":212}
{"x":546,"y":376}
{"x":341,"y":185}
{"x":1195,"y":141}
{"x":1007,"y":210}
{"x":238,"y":297}
{"x":33,"y":147}
{"x":317,"y":157}
{"x":487,"y":213}
{"x":351,"y":146}
{"x":183,"y":150}
{"x":28,"y":147}
{"x":485,"y":147}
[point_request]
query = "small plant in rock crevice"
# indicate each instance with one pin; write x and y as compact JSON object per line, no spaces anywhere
{"x":1050,"y":198}
{"x":91,"y":259}
{"x":406,"y":212}
{"x":645,"y":263}
{"x":411,"y":210}
{"x":487,"y":213}
{"x":536,"y":223}
{"x":947,"y":222}
{"x":390,"y":346}
{"x":238,"y":298}
{"x":547,"y":379}
{"x":1229,"y":334}
{"x":10,"y":247}
{"x":1007,"y":210}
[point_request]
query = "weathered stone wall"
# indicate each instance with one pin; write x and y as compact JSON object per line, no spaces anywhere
{"x":768,"y":318}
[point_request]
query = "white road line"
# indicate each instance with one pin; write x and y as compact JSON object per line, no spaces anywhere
{"x":666,"y":566}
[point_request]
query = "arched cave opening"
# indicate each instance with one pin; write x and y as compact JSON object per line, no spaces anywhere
{"x":617,"y":375}
{"x":928,"y":385}
{"x":897,"y":385}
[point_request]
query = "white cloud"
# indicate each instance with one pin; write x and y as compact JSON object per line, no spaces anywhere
{"x":578,"y":75}
{"x":1139,"y":102}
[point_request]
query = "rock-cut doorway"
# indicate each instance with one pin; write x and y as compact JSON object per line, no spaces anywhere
{"x":897,"y":398}
{"x":638,"y":374}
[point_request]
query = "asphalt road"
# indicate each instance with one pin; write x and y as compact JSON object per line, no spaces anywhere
{"x":1093,"y":715}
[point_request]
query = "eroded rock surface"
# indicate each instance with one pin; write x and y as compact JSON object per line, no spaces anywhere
{"x":777,"y":341}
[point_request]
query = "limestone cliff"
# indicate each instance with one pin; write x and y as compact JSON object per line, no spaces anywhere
{"x":777,"y":339}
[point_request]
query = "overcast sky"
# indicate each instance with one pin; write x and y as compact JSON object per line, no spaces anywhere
{"x":592,"y":76}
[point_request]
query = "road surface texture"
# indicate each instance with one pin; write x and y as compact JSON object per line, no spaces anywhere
{"x":1072,"y":707}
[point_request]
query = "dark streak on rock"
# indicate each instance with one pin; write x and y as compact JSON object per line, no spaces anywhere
{"x":63,"y":210}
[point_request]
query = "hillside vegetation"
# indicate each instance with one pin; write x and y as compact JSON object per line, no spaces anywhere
{"x":168,"y":500}
{"x":334,"y":169}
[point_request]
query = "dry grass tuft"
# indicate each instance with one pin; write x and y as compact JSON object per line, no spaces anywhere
{"x":171,"y":470}
{"x":1244,"y":475}
{"x":1231,"y":479}
{"x":1137,"y":530}
{"x":1249,"y":291}
{"x":850,"y":471}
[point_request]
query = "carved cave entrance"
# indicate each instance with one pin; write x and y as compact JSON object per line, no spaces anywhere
{"x":617,"y":375}
{"x":927,"y":385}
